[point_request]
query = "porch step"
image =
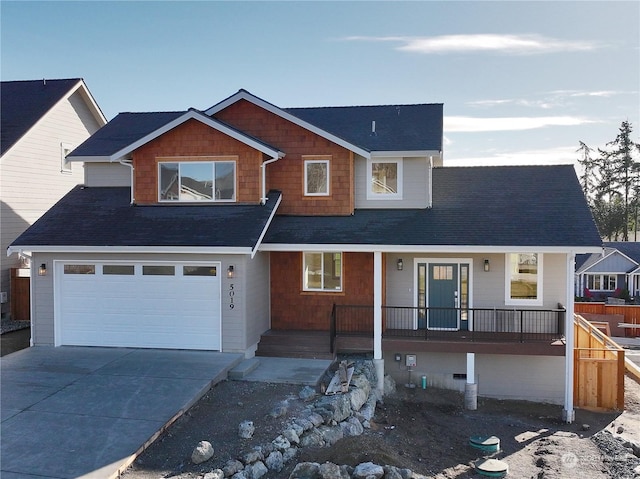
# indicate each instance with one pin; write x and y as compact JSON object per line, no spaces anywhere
{"x":295,"y":344}
{"x":244,"y":368}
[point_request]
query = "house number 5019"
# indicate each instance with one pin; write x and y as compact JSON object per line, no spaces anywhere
{"x":232,"y":293}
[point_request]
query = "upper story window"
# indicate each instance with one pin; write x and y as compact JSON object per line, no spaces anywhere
{"x":65,"y":164}
{"x":384,"y":179}
{"x":524,"y":278}
{"x":197,"y":181}
{"x":316,"y":177}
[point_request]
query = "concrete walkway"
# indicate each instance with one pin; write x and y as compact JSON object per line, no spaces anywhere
{"x":73,"y":412}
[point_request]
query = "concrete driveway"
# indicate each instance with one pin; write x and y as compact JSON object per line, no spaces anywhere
{"x":72,"y":412}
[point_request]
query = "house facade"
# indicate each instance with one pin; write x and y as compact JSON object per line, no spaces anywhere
{"x":613,"y":271}
{"x":42,"y":122}
{"x":214,"y":229}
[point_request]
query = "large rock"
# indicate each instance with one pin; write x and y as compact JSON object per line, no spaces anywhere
{"x":339,"y":405}
{"x":274,"y":461}
{"x":312,"y":438}
{"x":203,"y":452}
{"x":331,"y":434}
{"x":231,"y":467}
{"x":351,"y":427}
{"x":281,"y":443}
{"x":329,"y":470}
{"x":256,"y":470}
{"x":305,"y":470}
{"x":253,"y":456}
{"x":215,"y":474}
{"x":368,"y":470}
{"x":291,"y":435}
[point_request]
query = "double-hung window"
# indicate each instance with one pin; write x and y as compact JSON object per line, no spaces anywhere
{"x":65,"y":164}
{"x":197,"y":181}
{"x":523,"y":278}
{"x":316,"y":177}
{"x":322,"y":271}
{"x":602,"y":282}
{"x":384,"y":176}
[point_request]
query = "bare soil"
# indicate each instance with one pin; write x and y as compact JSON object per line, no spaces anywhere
{"x":426,"y":431}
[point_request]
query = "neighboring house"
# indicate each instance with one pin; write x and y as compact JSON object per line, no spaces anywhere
{"x":615,"y":268}
{"x":221,"y":229}
{"x":40,"y":123}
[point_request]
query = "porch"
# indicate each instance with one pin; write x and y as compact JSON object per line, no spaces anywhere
{"x":479,"y":330}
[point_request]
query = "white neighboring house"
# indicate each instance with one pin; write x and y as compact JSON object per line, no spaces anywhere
{"x":40,"y":123}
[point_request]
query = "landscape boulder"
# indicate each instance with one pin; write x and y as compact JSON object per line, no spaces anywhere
{"x":203,"y":452}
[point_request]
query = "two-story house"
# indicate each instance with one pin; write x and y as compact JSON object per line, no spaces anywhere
{"x":221,"y":229}
{"x":41,"y":122}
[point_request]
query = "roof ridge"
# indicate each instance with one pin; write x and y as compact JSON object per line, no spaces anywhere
{"x":361,"y":106}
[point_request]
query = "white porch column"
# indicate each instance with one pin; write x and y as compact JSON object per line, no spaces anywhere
{"x":377,"y":319}
{"x":568,"y":413}
{"x":471,"y":388}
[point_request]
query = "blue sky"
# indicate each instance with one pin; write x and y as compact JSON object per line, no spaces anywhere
{"x":521,"y":82}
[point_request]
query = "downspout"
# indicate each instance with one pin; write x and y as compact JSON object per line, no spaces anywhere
{"x":568,"y":413}
{"x":129,"y":163}
{"x":263,"y":200}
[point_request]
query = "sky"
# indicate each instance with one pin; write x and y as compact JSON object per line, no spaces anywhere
{"x":521,"y":82}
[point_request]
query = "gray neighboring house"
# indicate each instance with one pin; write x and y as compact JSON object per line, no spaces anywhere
{"x":616,"y":267}
{"x":40,"y":123}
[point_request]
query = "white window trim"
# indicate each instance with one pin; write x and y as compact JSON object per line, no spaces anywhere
{"x":65,"y":166}
{"x":306,"y":184}
{"x":321,"y":289}
{"x":602,"y":275}
{"x":507,"y":282}
{"x":384,"y":196}
{"x":185,"y":161}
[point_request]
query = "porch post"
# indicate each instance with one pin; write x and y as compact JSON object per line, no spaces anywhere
{"x":568,"y":413}
{"x":377,"y":319}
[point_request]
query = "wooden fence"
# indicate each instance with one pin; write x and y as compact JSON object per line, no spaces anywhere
{"x":631,"y":314}
{"x":599,"y":369}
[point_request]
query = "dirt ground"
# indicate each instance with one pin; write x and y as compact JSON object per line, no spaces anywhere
{"x":426,"y":431}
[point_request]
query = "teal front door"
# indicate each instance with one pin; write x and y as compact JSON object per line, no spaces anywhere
{"x":443,"y":296}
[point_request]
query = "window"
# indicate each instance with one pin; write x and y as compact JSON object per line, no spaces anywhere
{"x":316,"y":177}
{"x":65,"y":165}
{"x":79,"y":269}
{"x":385,"y":178}
{"x":197,"y":181}
{"x":602,"y":282}
{"x":151,"y":270}
{"x":118,"y":269}
{"x":524,"y":278}
{"x":322,"y":271}
{"x":199,"y":271}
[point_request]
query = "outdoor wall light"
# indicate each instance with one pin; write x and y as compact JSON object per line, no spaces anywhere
{"x":230,"y":272}
{"x":400,"y":264}
{"x":487,"y":267}
{"x":42,"y":270}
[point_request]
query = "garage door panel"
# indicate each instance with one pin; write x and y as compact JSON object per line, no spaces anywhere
{"x":139,"y":310}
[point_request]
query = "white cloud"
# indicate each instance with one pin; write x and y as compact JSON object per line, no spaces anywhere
{"x":491,"y":43}
{"x":550,"y":156}
{"x":474,"y":124}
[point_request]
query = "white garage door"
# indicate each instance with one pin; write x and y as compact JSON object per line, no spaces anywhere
{"x":138,"y":304}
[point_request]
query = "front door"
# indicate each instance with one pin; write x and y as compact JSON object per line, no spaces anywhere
{"x":443,"y":296}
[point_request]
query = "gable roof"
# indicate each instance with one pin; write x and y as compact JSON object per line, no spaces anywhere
{"x":486,"y":208}
{"x":127,"y":134}
{"x":399,"y":128}
{"x":93,"y":219}
{"x":24,"y":103}
{"x":629,"y":250}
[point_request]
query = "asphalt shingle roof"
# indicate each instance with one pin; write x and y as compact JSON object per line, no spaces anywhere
{"x":23,"y":103}
{"x":397,"y":127}
{"x":103,"y":217}
{"x":477,"y":206}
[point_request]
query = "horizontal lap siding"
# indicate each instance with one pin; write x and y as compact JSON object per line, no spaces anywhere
{"x":293,"y":308}
{"x":287,"y":174}
{"x":193,"y":138}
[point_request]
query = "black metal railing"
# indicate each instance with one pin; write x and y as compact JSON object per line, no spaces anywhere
{"x":451,"y":324}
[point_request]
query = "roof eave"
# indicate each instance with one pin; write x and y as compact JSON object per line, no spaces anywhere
{"x":406,"y":153}
{"x":469,"y":249}
{"x":130,"y":249}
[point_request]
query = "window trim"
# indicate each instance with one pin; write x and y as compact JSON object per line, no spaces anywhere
{"x":602,"y":282}
{"x":65,"y":165}
{"x":371,"y":195}
{"x":538,"y":301}
{"x":191,"y":160}
{"x":311,"y":161}
{"x":322,"y":254}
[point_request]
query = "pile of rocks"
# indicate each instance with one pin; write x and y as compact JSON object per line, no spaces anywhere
{"x":326,"y":420}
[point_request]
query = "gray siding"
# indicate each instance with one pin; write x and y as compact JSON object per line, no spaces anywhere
{"x":531,"y":378}
{"x":234,"y":327}
{"x":107,"y":174}
{"x":415,"y":185}
{"x":257,"y":298}
{"x":614,"y":263}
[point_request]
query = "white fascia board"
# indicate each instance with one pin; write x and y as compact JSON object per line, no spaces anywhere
{"x":93,"y":104}
{"x":189,"y":115}
{"x":407,"y":154}
{"x":132,"y":249}
{"x":604,"y":257}
{"x":244,"y":95}
{"x":90,"y":159}
{"x":266,"y":227}
{"x":426,"y":248}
